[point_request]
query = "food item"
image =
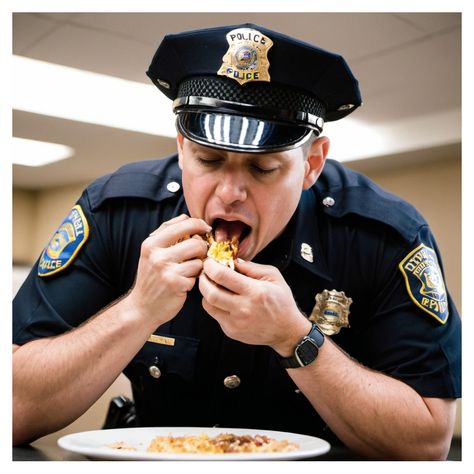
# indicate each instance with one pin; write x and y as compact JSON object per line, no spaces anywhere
{"x":220,"y":444}
{"x":223,"y":251}
{"x":122,"y":445}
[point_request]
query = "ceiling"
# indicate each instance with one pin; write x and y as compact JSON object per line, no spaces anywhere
{"x":408,"y":65}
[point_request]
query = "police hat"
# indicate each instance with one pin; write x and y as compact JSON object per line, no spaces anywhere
{"x":246,"y":88}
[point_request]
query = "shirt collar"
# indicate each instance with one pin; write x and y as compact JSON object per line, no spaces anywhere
{"x":299,"y":242}
{"x":307,"y":250}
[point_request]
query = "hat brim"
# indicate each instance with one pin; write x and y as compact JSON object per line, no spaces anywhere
{"x":240,"y":133}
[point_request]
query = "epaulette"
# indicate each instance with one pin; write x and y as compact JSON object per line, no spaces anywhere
{"x":343,"y":191}
{"x":152,"y":179}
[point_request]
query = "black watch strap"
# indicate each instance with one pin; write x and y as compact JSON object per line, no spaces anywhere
{"x":306,"y":351}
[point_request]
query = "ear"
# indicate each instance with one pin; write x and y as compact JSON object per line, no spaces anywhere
{"x":179,"y":143}
{"x":315,"y":160}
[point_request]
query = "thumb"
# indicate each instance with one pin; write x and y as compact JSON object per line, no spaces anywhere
{"x":257,"y":271}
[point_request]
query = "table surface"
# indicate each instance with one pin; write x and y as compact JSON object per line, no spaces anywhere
{"x":52,"y":452}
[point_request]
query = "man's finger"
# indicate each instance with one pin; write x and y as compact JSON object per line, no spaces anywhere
{"x":220,"y":315}
{"x":214,"y":294}
{"x":168,"y":235}
{"x":242,"y":280}
{"x":190,"y":268}
{"x":226,"y":277}
{"x":187,"y":250}
{"x":256,"y":271}
{"x":172,"y":221}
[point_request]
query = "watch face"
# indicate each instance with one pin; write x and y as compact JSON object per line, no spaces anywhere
{"x":306,"y":351}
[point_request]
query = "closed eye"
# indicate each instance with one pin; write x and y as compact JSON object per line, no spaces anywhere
{"x":209,"y":161}
{"x":263,"y":171}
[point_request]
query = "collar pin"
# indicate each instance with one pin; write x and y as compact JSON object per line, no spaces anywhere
{"x":307,"y":252}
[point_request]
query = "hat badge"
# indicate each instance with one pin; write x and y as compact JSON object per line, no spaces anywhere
{"x":246,"y":59}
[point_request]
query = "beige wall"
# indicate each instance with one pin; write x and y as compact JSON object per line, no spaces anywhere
{"x":36,"y":215}
{"x":434,"y":188}
{"x":24,"y":225}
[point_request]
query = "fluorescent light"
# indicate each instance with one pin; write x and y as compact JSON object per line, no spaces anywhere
{"x":59,"y":91}
{"x":73,"y":94}
{"x":36,"y":153}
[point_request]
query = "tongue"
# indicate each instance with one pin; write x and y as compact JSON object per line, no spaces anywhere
{"x":227,"y":230}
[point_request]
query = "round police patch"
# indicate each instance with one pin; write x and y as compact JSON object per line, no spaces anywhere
{"x":424,"y":282}
{"x":65,"y":243}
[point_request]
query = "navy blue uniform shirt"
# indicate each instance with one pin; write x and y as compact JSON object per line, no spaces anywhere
{"x":357,"y":243}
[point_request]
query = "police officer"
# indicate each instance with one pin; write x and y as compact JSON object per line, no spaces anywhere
{"x":335,"y":322}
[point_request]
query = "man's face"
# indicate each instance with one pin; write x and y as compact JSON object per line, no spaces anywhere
{"x":248,"y":196}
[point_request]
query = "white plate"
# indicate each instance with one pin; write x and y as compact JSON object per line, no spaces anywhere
{"x":94,"y":444}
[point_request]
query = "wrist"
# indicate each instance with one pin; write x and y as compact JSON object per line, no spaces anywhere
{"x":306,"y":351}
{"x":286,"y":347}
{"x":133,"y":317}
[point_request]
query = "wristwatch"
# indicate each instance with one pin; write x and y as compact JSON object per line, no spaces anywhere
{"x":306,"y":351}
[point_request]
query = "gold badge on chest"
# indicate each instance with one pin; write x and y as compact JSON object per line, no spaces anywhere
{"x":331,"y":311}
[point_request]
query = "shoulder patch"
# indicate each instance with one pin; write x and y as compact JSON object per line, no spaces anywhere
{"x":424,"y":282}
{"x":65,"y":243}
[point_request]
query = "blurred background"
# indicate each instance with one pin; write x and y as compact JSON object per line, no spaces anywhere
{"x":83,"y":106}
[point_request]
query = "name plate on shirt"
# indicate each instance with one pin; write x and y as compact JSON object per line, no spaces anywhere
{"x":166,"y":341}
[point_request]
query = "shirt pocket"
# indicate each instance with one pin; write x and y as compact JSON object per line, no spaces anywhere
{"x":165,"y":357}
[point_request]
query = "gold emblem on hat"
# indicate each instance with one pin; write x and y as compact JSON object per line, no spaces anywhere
{"x":331,"y":311}
{"x":246,"y":59}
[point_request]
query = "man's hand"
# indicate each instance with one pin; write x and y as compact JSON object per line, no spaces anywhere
{"x":253,"y":305}
{"x":169,"y":264}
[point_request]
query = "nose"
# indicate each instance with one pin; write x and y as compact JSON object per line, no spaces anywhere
{"x":231,"y":188}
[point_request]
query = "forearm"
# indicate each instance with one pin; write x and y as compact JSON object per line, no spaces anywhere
{"x":57,"y":379}
{"x":373,"y":414}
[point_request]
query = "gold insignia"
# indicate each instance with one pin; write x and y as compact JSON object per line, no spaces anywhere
{"x":331,"y":312}
{"x":307,"y":252}
{"x":246,"y":59}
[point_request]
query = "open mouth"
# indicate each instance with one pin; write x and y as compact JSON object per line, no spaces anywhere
{"x":224,"y":243}
{"x":230,"y":230}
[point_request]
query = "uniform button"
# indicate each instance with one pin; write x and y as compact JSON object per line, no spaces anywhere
{"x":329,"y":201}
{"x":155,"y":372}
{"x":164,"y":84}
{"x":346,"y":107}
{"x":232,"y":381}
{"x":173,"y":186}
{"x":297,"y":390}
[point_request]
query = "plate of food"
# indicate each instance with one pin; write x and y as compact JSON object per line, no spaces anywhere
{"x":180,"y":443}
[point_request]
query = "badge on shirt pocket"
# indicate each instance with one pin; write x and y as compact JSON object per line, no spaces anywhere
{"x":65,"y":243}
{"x":331,"y":311}
{"x":424,"y":282}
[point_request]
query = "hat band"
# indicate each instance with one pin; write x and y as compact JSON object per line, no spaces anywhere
{"x":198,"y":103}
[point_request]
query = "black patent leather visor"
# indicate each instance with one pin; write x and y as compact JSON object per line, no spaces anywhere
{"x":239,"y":133}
